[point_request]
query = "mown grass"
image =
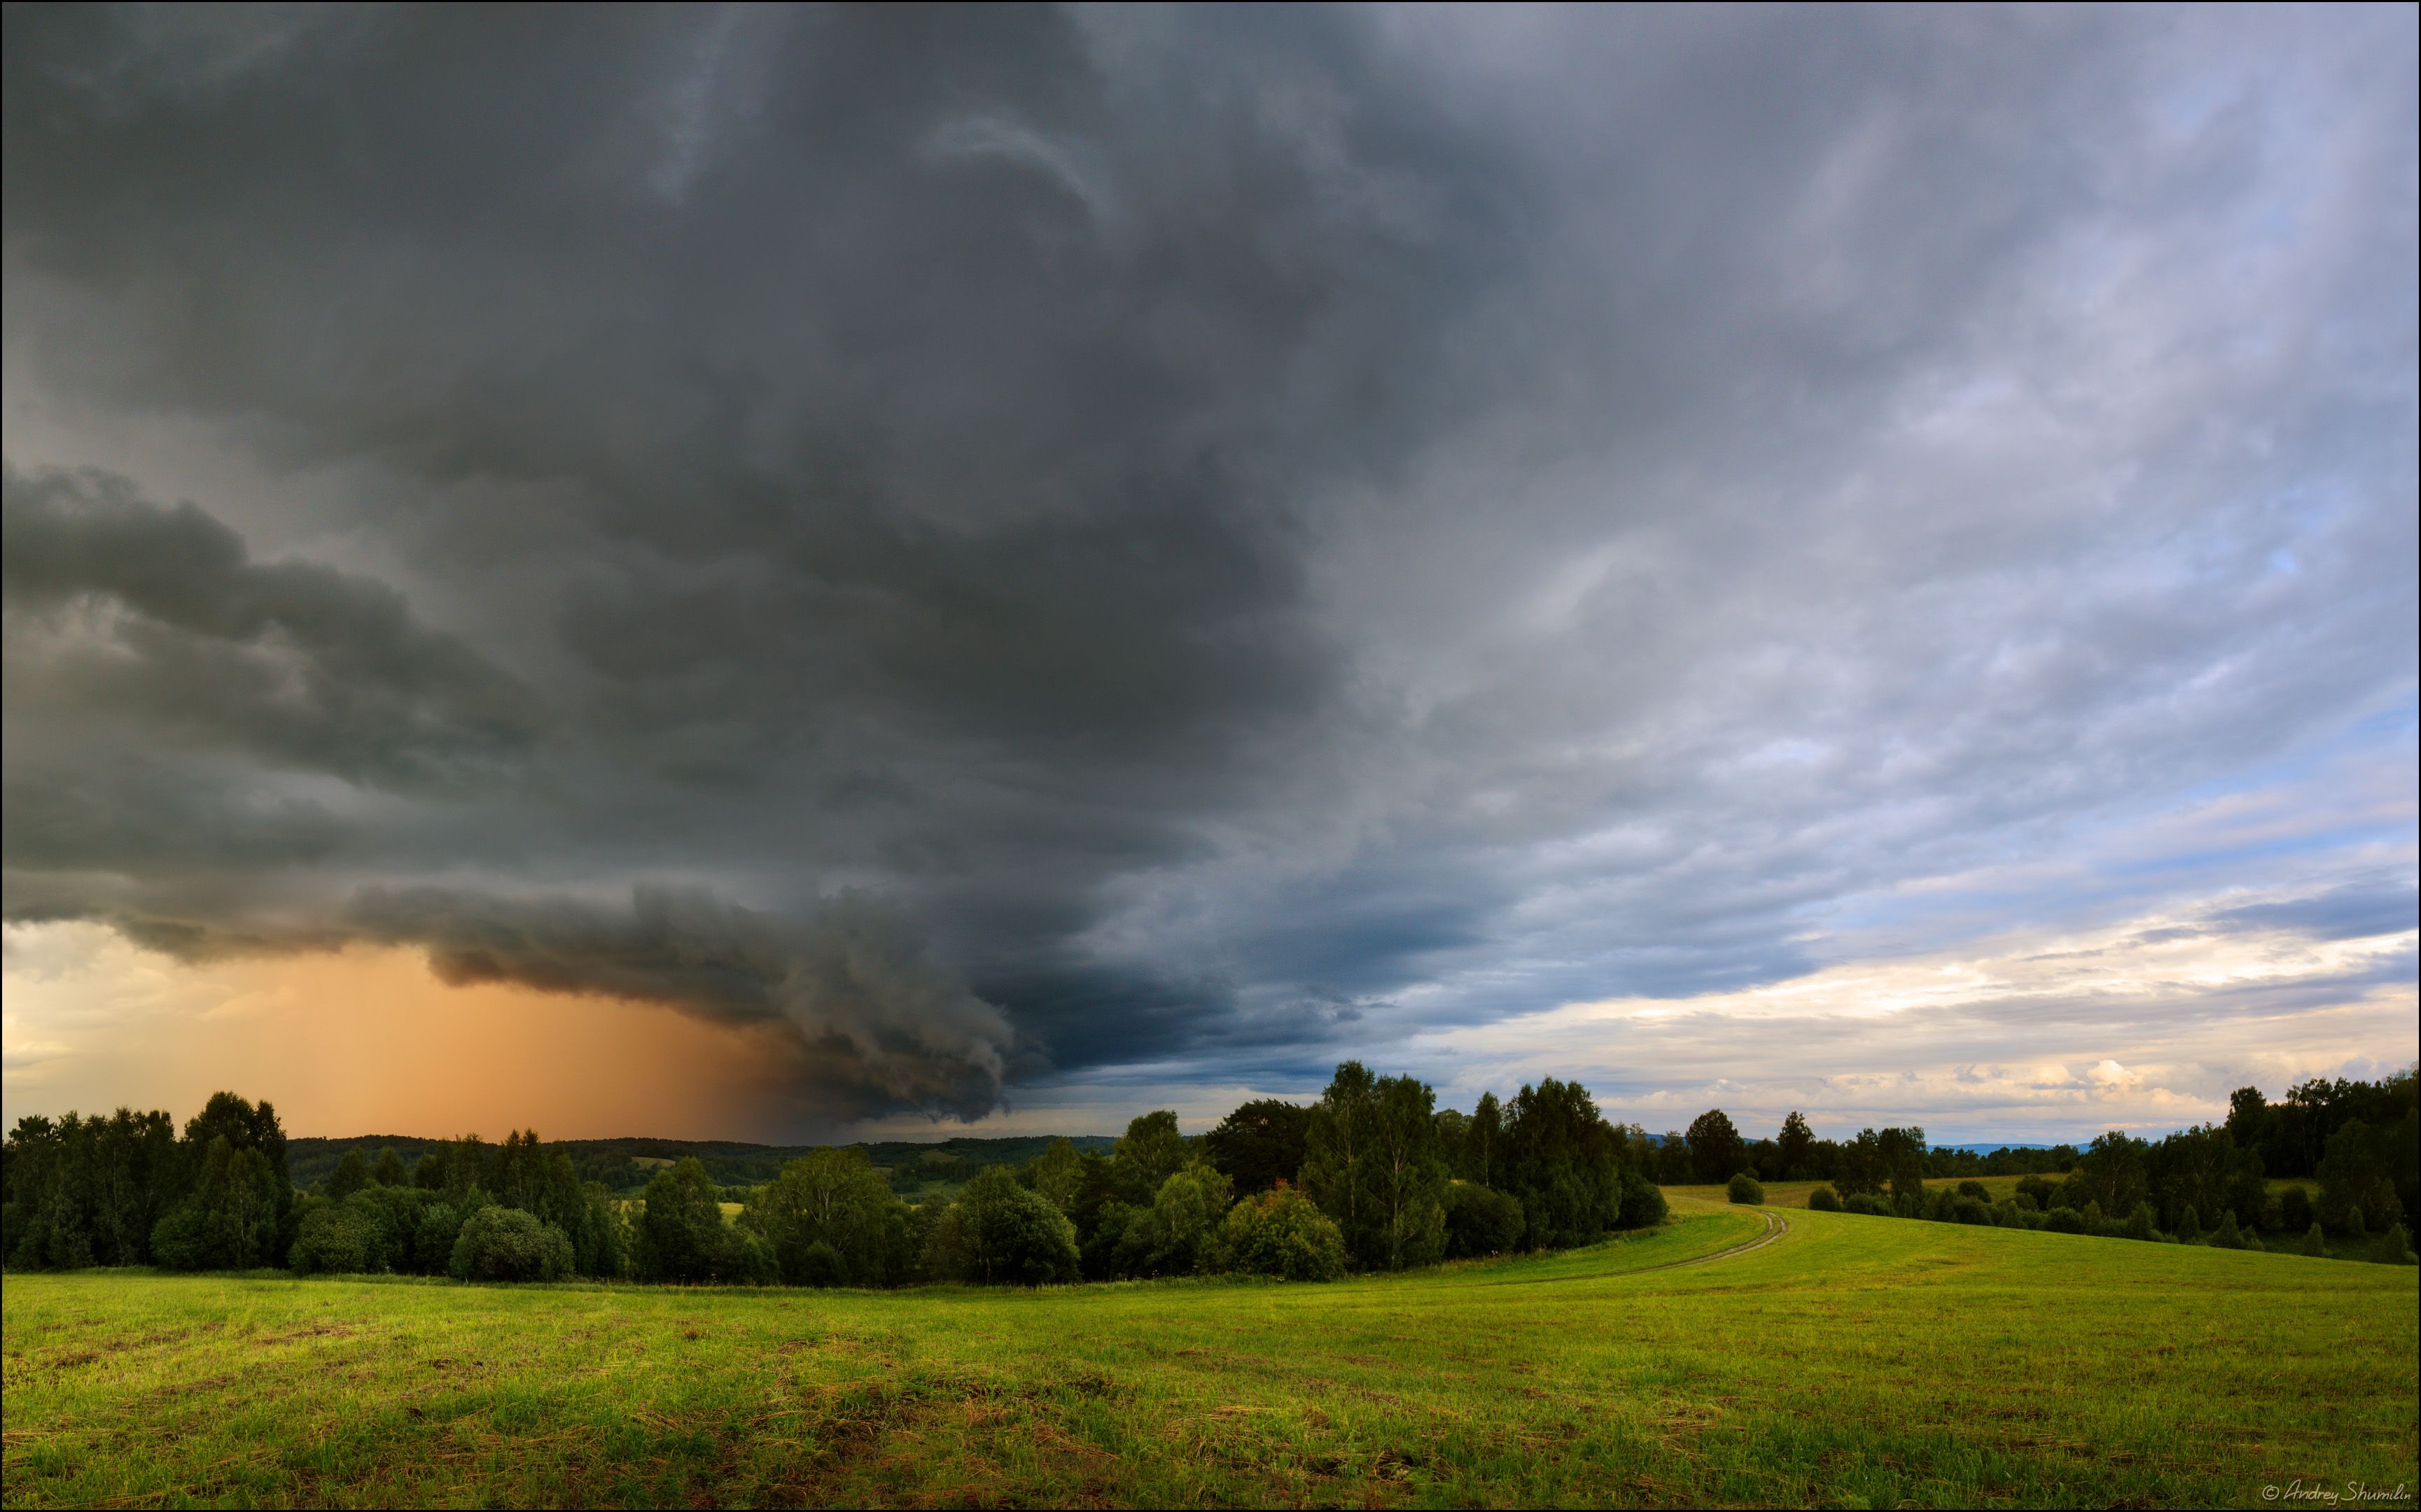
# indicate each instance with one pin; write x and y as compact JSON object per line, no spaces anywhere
{"x":1854,"y":1361}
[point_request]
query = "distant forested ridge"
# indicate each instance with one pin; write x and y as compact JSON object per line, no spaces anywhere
{"x":1371,"y":1176}
{"x":627,"y":1164}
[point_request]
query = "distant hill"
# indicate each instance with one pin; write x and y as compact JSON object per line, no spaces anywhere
{"x":626,"y":1165}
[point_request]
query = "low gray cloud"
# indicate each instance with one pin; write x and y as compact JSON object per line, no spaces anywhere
{"x":1236,"y":535}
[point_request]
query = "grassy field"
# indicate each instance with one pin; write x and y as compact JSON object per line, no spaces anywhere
{"x":1848,"y":1362}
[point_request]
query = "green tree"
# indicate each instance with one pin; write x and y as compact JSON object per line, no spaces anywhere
{"x":1483,"y":1143}
{"x":1337,"y":1151}
{"x":502,"y":1243}
{"x":232,"y":1221}
{"x":680,"y":1235}
{"x":1056,"y":1174}
{"x":1900,"y":1152}
{"x":352,"y":1174}
{"x":389,"y":1172}
{"x":1716,"y":1150}
{"x":834,"y":1198}
{"x":1480,"y":1222}
{"x":2358,"y":1169}
{"x":1281,"y":1233}
{"x":1186,"y":1213}
{"x":1559,"y":1162}
{"x":1260,"y":1143}
{"x":1797,"y":1148}
{"x":1153,"y":1148}
{"x":1408,"y":1180}
{"x":999,"y":1234}
{"x":1745,"y":1189}
{"x":1643,"y":1201}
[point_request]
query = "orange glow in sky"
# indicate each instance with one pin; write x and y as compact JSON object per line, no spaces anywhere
{"x":367,"y":1042}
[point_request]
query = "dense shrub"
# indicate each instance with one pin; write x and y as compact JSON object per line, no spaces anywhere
{"x":2036,"y":1193}
{"x":349,"y":1237}
{"x":1744,"y":1188}
{"x":508,"y":1244}
{"x":817,"y":1264}
{"x":2066,"y":1221}
{"x":1824,"y":1200}
{"x":2295,"y":1212}
{"x":1976,"y":1190}
{"x":2395,"y":1248}
{"x":2315,"y":1243}
{"x":1966,"y":1209}
{"x":1873,"y":1205}
{"x":2140,"y":1224}
{"x":1480,"y":1222}
{"x":432,"y":1240}
{"x":1643,"y":1201}
{"x":1282,"y":1233}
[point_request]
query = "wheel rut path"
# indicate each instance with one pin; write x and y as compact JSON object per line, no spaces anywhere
{"x":1775,"y":1227}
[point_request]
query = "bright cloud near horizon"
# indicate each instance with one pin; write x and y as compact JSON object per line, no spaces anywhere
{"x":752,"y":573}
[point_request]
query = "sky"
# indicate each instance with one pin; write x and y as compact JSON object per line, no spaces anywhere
{"x":794,"y":574}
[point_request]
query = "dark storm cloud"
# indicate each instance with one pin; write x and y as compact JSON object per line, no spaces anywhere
{"x":1198,"y":534}
{"x":156,"y":615}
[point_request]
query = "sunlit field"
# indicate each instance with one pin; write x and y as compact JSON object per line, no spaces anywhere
{"x":1848,"y":1360}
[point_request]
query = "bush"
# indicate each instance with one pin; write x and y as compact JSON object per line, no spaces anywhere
{"x":2295,"y":1210}
{"x":1283,"y":1233}
{"x":1824,"y":1200}
{"x":1976,"y":1190}
{"x":1871,"y":1204}
{"x":2227,"y":1235}
{"x":1643,"y":1201}
{"x":1745,"y":1189}
{"x":339,"y":1238}
{"x":1480,"y":1222}
{"x":508,"y":1244}
{"x":2035,"y":1191}
{"x":432,"y":1242}
{"x":1970,"y":1211}
{"x":817,"y":1264}
{"x":2316,"y":1243}
{"x":2140,"y":1224}
{"x":2065,"y":1220}
{"x":2395,"y":1248}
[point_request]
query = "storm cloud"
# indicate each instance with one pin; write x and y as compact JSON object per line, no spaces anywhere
{"x":1017,"y":542}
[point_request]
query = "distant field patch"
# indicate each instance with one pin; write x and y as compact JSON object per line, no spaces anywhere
{"x":1852,"y":1361}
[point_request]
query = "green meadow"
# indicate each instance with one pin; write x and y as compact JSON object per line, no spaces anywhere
{"x":1844,"y":1361}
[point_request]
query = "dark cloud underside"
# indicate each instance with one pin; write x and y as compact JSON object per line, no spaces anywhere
{"x":1008,"y":540}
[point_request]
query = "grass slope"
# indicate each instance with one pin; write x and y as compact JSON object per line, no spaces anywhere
{"x":1851,"y":1361}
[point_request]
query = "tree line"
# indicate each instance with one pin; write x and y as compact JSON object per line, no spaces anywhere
{"x":2358,"y":1144}
{"x":1371,"y":1176}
